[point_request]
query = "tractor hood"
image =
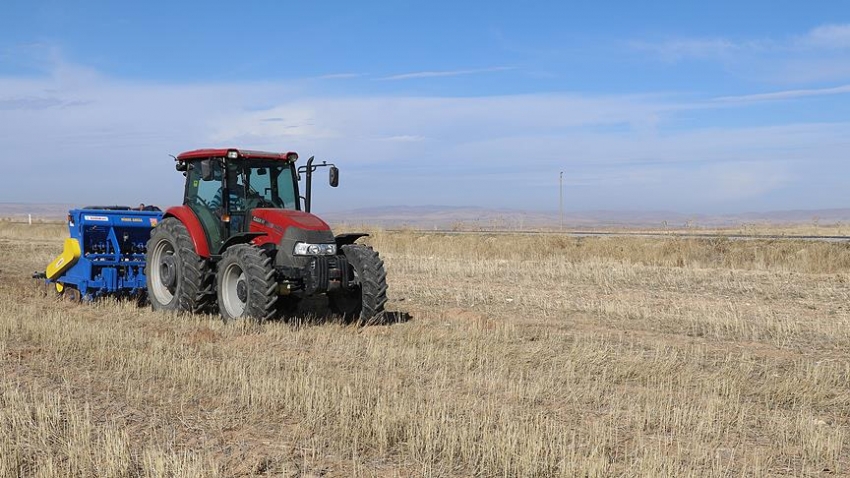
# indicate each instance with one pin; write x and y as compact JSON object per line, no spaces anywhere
{"x":284,"y":228}
{"x":279,"y":220}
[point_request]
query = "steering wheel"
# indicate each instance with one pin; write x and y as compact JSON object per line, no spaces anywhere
{"x":203,"y":202}
{"x":256,"y":201}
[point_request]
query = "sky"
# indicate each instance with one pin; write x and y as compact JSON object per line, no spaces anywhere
{"x":693,"y":107}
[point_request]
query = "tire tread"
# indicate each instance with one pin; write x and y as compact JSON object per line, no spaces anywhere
{"x":373,"y":283}
{"x":196,"y":294}
{"x":262,"y":285}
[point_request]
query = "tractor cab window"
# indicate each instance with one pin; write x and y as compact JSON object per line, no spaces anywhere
{"x":262,"y":185}
{"x":201,"y":191}
{"x":286,"y":188}
{"x":203,"y":196}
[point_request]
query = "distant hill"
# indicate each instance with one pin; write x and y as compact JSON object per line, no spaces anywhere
{"x":49,"y":212}
{"x":43,"y":211}
{"x":454,"y":217}
{"x":447,"y":217}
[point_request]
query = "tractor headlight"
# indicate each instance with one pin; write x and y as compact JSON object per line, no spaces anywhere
{"x":307,"y":249}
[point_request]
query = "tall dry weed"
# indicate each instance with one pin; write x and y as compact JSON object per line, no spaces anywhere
{"x":526,"y":356}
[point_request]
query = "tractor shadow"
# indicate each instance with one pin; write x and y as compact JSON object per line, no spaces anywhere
{"x":315,"y":311}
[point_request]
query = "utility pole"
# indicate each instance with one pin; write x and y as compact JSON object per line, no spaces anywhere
{"x":561,"y":198}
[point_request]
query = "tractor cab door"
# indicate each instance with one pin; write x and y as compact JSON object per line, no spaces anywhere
{"x":204,"y":185}
{"x":237,"y":205}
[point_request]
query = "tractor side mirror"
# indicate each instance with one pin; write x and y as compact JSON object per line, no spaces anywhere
{"x":333,"y":176}
{"x":207,"y":170}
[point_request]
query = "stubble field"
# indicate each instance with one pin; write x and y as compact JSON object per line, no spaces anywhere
{"x":524,"y":356}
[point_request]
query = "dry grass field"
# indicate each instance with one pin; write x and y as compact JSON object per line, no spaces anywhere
{"x":525,"y":356}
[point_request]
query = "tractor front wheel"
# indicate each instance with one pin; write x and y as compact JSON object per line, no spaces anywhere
{"x":246,"y":284}
{"x":177,"y":278}
{"x":365,"y":300}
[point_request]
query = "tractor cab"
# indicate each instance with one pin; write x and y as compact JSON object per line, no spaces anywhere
{"x":244,"y":241}
{"x":225,"y":187}
{"x":222,"y":192}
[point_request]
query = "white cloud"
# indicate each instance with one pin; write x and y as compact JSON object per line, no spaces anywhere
{"x":687,"y":48}
{"x":403,"y":138}
{"x":821,"y":54}
{"x":340,"y":76}
{"x":744,"y":180}
{"x":824,"y":37}
{"x":76,"y":136}
{"x":438,"y":74}
{"x":784,"y":95}
{"x":827,"y":36}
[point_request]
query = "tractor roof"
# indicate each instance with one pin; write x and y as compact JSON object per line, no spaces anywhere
{"x":241,"y":154}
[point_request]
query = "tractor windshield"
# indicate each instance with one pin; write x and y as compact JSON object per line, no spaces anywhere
{"x":254,"y":184}
{"x":221,"y":196}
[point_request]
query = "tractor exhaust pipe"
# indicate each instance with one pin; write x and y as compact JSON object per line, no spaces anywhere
{"x":308,"y":190}
{"x":333,"y":179}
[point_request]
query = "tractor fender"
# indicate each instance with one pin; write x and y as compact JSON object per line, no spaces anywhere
{"x":346,"y":239}
{"x":189,"y":219}
{"x":241,"y":238}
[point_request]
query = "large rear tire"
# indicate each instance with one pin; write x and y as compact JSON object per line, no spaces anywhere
{"x":178,"y":279}
{"x":366,"y":300}
{"x":246,"y":284}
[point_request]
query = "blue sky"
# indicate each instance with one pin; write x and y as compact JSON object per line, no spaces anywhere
{"x":716,"y":107}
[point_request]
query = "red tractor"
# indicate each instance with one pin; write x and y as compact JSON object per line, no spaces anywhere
{"x":242,"y":243}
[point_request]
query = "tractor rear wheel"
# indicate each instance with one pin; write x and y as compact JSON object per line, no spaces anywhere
{"x":365,"y":301}
{"x":177,"y":278}
{"x":246,"y":284}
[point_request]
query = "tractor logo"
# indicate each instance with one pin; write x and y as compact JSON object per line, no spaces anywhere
{"x":153,"y":222}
